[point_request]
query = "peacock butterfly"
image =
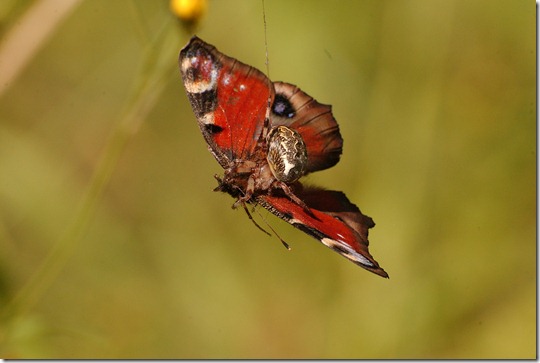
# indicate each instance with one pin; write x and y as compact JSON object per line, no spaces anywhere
{"x":266,"y":135}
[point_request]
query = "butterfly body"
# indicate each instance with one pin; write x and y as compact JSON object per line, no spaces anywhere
{"x":267,"y":135}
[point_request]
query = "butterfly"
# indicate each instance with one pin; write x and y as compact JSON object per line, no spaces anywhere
{"x":266,"y":136}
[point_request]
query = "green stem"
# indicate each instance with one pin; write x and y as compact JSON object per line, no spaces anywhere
{"x":150,"y":84}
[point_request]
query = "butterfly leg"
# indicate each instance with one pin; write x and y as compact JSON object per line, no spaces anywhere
{"x":245,"y":196}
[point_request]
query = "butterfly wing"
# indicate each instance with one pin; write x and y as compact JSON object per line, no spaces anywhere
{"x":312,"y":120}
{"x":229,"y":99}
{"x":335,"y":221}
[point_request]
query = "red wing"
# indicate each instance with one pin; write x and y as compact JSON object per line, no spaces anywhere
{"x":229,"y":99}
{"x":335,"y":222}
{"x":314,"y":121}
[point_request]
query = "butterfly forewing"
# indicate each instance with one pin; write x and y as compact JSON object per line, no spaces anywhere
{"x":229,"y":99}
{"x":334,"y":221}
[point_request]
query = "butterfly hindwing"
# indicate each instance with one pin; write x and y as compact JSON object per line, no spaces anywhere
{"x":312,"y":120}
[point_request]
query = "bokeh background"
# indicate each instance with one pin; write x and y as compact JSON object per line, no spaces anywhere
{"x":113,"y":245}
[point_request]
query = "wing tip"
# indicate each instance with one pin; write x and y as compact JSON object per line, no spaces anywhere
{"x":381,"y":273}
{"x":364,"y":260}
{"x":375,"y":268}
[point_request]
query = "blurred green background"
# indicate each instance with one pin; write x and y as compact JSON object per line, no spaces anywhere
{"x":113,"y":245}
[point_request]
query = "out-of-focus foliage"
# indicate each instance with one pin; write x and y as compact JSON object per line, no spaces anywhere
{"x":112,"y":244}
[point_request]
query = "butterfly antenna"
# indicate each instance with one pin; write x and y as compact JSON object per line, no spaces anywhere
{"x":266,"y":125}
{"x":253,"y":220}
{"x":273,"y":230}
